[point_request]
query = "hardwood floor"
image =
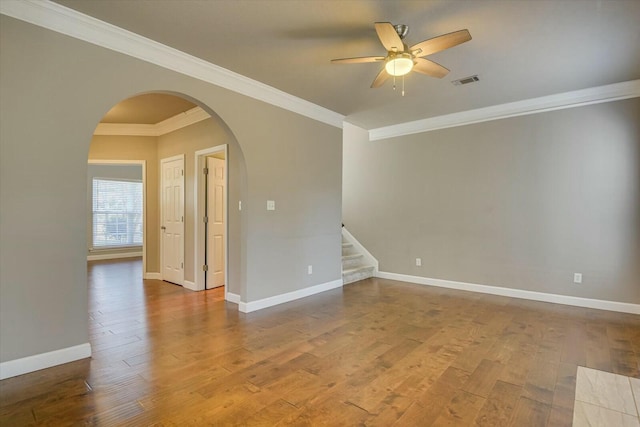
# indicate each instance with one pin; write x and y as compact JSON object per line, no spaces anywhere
{"x":376,"y":352}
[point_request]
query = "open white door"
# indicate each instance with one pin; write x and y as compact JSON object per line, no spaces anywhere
{"x":172,"y":219}
{"x":216,"y":189}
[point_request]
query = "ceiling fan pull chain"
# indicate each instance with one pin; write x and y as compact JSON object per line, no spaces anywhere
{"x":402,"y":85}
{"x":394,"y":76}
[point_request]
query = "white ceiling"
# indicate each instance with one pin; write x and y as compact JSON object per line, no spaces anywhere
{"x":521,"y":49}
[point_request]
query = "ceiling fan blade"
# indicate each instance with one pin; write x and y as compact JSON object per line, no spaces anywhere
{"x":380,"y":78}
{"x":429,"y":68}
{"x":439,"y":43}
{"x":389,"y":37}
{"x":358,"y":60}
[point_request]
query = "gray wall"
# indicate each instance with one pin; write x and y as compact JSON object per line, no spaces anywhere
{"x":55,"y":89}
{"x":521,"y":203}
{"x":207,"y":134}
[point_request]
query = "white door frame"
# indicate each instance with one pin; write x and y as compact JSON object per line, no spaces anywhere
{"x":199,"y":241}
{"x":142,"y":163}
{"x":170,"y":159}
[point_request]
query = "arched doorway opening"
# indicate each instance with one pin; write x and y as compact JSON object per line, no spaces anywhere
{"x":171,"y":135}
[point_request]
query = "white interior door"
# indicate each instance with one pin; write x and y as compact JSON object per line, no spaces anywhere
{"x":172,"y":219}
{"x":216,"y":188}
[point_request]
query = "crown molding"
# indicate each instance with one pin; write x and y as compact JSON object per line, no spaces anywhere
{"x":125,"y":129}
{"x":164,"y":127}
{"x":61,"y":19}
{"x":67,"y":21}
{"x":182,"y":120}
{"x":577,"y":98}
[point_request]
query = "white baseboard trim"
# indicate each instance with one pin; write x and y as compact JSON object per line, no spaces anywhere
{"x":189,"y":285}
{"x":248,"y":307}
{"x":153,"y":276}
{"x":16,"y":367}
{"x":99,"y":257}
{"x":621,"y":307}
{"x":234,"y":298}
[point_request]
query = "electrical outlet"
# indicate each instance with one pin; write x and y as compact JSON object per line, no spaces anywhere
{"x":419,"y":262}
{"x":577,"y":277}
{"x":310,"y":269}
{"x":239,"y":205}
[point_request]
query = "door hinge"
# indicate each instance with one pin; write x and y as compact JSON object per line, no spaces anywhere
{"x":182,"y":172}
{"x":182,"y":265}
{"x":205,"y":171}
{"x":182,"y":218}
{"x":205,"y":267}
{"x":205,"y":219}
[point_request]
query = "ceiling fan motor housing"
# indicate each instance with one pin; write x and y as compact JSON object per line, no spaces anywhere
{"x":402,"y":30}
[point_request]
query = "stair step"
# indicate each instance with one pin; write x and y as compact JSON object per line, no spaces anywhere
{"x":348,"y":249}
{"x":356,"y":269}
{"x":357,"y":273}
{"x":351,"y":261}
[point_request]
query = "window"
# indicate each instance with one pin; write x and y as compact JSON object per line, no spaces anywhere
{"x":117,"y":213}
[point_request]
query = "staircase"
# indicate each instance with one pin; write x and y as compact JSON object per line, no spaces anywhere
{"x":354,"y":265}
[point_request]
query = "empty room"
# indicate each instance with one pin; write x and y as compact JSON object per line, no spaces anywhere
{"x":318,"y":212}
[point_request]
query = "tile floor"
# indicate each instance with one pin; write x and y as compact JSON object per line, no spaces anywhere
{"x":606,"y":399}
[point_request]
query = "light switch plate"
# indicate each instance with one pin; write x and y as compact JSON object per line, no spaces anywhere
{"x":271,"y":205}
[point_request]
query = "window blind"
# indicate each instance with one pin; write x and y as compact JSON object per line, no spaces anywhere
{"x":117,"y":213}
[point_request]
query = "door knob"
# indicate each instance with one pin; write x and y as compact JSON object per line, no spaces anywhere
{"x":163,"y":228}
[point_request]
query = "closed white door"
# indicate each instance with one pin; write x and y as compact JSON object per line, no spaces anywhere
{"x":216,"y":189}
{"x":172,"y":220}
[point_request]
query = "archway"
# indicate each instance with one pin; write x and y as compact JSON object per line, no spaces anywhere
{"x":184,"y":127}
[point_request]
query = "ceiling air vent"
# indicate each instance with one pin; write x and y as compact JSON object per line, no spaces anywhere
{"x":466,"y":80}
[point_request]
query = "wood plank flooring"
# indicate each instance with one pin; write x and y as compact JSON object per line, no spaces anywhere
{"x":375,"y":353}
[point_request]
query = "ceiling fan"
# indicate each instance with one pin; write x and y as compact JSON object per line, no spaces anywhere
{"x":401,"y":59}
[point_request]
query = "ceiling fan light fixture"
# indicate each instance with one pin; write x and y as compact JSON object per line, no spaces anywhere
{"x":401,"y":59}
{"x":399,"y":65}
